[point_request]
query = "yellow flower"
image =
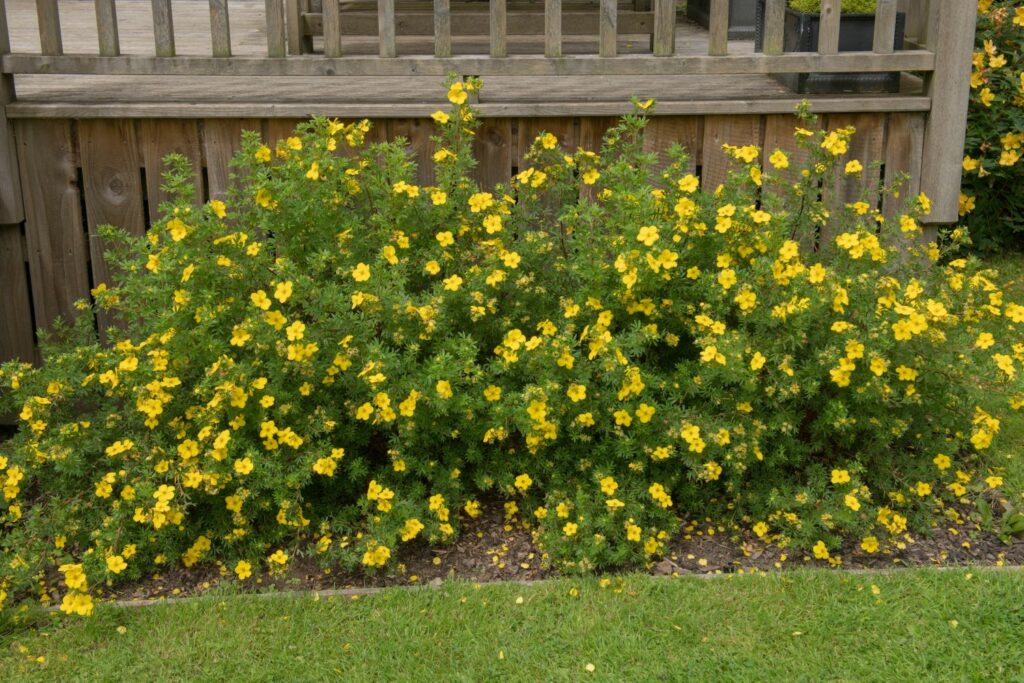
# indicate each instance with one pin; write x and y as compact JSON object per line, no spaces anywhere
{"x":609,"y":486}
{"x":177,"y":228}
{"x":648,"y":235}
{"x":941,"y":461}
{"x":852,"y":502}
{"x":444,"y":389}
{"x":243,"y":466}
{"x":438,"y":197}
{"x":453,"y":283}
{"x":445,"y":239}
{"x":116,"y":564}
{"x":821,"y":550}
{"x":869,"y":544}
{"x":218,"y":207}
{"x":923,"y":489}
{"x":440,"y":117}
{"x":853,"y":167}
{"x":279,"y":557}
{"x":361,"y":273}
{"x":570,"y":529}
{"x":778,"y":159}
{"x":644,"y":413}
{"x":576,"y":392}
{"x":283,"y":291}
{"x":523,"y":482}
{"x":492,"y":393}
{"x":243,"y":570}
{"x":314,"y":171}
{"x":840,"y":477}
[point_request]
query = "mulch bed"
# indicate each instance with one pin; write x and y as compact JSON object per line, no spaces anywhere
{"x":490,"y":549}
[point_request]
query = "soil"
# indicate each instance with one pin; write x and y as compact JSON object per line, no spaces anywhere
{"x":490,"y":549}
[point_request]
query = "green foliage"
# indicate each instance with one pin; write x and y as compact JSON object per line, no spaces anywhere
{"x":991,"y":201}
{"x":848,"y":6}
{"x":337,"y":361}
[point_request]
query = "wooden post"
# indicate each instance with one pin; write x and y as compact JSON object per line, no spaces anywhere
{"x":386,"y":28}
{"x":276,"y":40}
{"x":953,"y":44}
{"x":163,"y":28}
{"x":828,"y":34}
{"x":332,"y":28}
{"x":664,"y":28}
{"x":294,"y":25}
{"x":442,"y":28}
{"x":499,"y":29}
{"x":106,"y":28}
{"x":220,"y":28}
{"x":774,"y":26}
{"x":553,"y":28}
{"x":49,"y":27}
{"x":718,"y":28}
{"x":885,"y":26}
{"x":11,"y":208}
{"x":609,"y":28}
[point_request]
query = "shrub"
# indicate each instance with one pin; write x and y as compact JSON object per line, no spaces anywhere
{"x":847,"y":6}
{"x":337,"y":361}
{"x":991,"y":199}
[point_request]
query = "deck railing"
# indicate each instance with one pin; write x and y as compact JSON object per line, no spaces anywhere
{"x":941,"y":52}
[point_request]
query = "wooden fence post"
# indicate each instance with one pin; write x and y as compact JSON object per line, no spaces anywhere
{"x":11,"y":208}
{"x":949,"y":88}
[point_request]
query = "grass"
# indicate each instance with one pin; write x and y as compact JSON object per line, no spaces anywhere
{"x":801,"y":625}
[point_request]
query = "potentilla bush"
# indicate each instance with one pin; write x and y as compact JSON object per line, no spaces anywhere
{"x":991,"y":200}
{"x":336,"y":362}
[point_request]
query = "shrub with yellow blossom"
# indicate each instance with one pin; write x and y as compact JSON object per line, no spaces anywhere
{"x":991,"y":201}
{"x":337,"y":361}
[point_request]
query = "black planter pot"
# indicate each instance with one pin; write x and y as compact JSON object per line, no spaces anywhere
{"x":742,"y":16}
{"x":856,"y":34}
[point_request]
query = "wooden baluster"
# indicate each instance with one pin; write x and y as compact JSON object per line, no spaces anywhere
{"x":49,"y":27}
{"x":553,"y":28}
{"x":12,"y":210}
{"x":499,"y":29}
{"x":276,"y":34}
{"x":609,"y":28}
{"x":828,"y":31}
{"x":332,"y":28}
{"x":718,"y":28}
{"x":163,"y":28}
{"x":106,"y":28}
{"x":386,"y":28}
{"x":442,"y":28}
{"x":774,"y":26}
{"x":885,"y":27}
{"x":220,"y":28}
{"x":664,"y":27}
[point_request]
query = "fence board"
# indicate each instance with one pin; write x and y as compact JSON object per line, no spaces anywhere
{"x":498,"y":29}
{"x":885,"y":26}
{"x":866,"y":146}
{"x":664,"y":39}
{"x":774,"y":26}
{"x":276,"y":33}
{"x":904,"y":150}
{"x":828,"y":32}
{"x":492,"y":147}
{"x":163,"y":28}
{"x":663,"y":131}
{"x":49,"y":27}
{"x":417,"y":132}
{"x":112,"y":188}
{"x":158,"y":138}
{"x":57,"y":253}
{"x":16,"y":339}
{"x":386,"y":28}
{"x":442,"y":28}
{"x":222,"y":139}
{"x":718,"y":28}
{"x":720,"y":130}
{"x":553,"y":28}
{"x":609,"y":28}
{"x":332,"y":28}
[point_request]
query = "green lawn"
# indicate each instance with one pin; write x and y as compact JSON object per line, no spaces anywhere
{"x":803,"y":625}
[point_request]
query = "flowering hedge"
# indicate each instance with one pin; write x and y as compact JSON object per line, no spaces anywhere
{"x":991,"y":199}
{"x":337,"y":362}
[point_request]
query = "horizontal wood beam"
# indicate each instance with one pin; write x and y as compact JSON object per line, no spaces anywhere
{"x":478,"y":23}
{"x":527,"y":65}
{"x":178,"y":110}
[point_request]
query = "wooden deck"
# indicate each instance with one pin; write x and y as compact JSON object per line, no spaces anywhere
{"x":220,"y":96}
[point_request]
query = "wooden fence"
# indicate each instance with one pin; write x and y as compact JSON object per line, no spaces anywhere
{"x":62,"y":175}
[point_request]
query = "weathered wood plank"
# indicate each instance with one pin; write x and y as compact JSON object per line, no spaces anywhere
{"x":885,"y":26}
{"x":664,"y":39}
{"x":54,"y":230}
{"x":608,"y":40}
{"x":16,"y":333}
{"x":947,"y":125}
{"x":904,"y":151}
{"x":49,"y":27}
{"x":553,"y":28}
{"x":498,"y":29}
{"x":222,"y":139}
{"x":442,"y":28}
{"x":293,"y":24}
{"x":332,"y":28}
{"x":106,"y":28}
{"x":157,"y":138}
{"x":163,"y":28}
{"x":663,"y":131}
{"x":774,"y":26}
{"x":533,"y":65}
{"x":112,"y":187}
{"x":417,"y":132}
{"x":11,"y":207}
{"x":276,"y":34}
{"x":220,"y":28}
{"x":866,"y":146}
{"x":828,"y":32}
{"x":722,"y":130}
{"x":386,"y":28}
{"x":477,"y":23}
{"x":718,"y":28}
{"x":492,"y":148}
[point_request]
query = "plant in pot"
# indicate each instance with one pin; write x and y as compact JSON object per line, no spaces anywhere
{"x":742,"y":16}
{"x":856,"y":34}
